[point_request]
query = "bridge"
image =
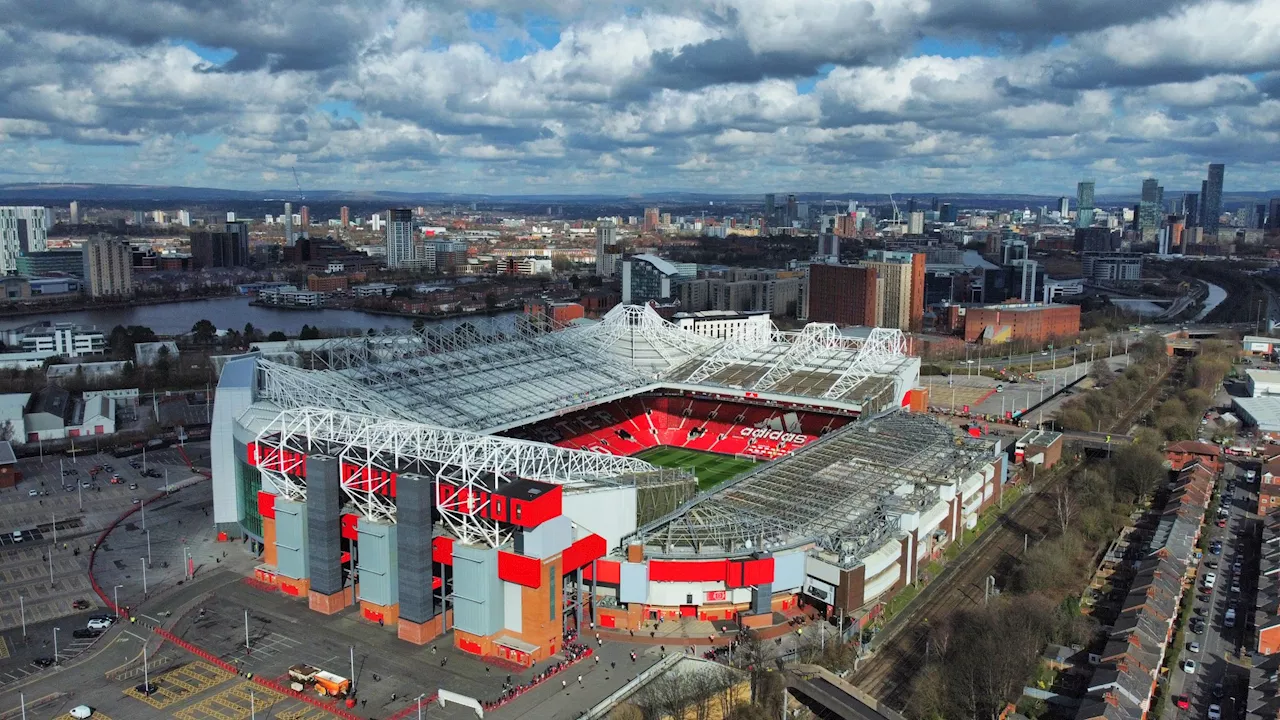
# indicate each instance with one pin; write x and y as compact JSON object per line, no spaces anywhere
{"x":1095,"y":440}
{"x":829,"y":697}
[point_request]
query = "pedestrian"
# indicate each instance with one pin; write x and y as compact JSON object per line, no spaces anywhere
{"x":363,"y":703}
{"x":579,"y":681}
{"x":597,"y":659}
{"x":563,"y":684}
{"x":393,"y":697}
{"x":613,"y":665}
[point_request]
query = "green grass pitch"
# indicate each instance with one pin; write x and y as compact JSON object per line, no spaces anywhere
{"x":711,"y":469}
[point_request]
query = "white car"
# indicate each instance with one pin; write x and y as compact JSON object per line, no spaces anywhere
{"x":98,"y":623}
{"x":81,"y":711}
{"x":1189,"y":667}
{"x":1193,"y":647}
{"x":1210,"y":579}
{"x":1215,"y":712}
{"x":16,"y":536}
{"x":33,"y":493}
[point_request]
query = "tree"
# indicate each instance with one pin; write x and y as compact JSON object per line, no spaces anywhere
{"x":250,"y":332}
{"x":1064,"y":506}
{"x":277,"y":336}
{"x":419,"y":325}
{"x":162,"y":370}
{"x":204,"y":331}
{"x":309,"y":333}
{"x":1139,"y":470}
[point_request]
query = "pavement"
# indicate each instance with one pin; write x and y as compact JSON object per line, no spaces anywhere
{"x":388,"y":674}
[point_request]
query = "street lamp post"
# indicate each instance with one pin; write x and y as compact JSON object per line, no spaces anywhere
{"x":144,"y":576}
{"x":115,"y":593}
{"x":55,"y":645}
{"x":419,"y":701}
{"x":22,"y":610}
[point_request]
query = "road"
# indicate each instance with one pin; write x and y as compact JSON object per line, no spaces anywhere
{"x":1221,"y":648}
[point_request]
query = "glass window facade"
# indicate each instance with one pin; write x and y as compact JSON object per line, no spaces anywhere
{"x":249,"y":481}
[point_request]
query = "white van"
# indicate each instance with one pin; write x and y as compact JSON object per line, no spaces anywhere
{"x":81,"y":711}
{"x":17,"y":536}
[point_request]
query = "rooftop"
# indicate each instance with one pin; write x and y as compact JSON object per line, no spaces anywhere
{"x":490,"y":377}
{"x":845,"y":493}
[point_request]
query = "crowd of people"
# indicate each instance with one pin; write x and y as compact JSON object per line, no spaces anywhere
{"x":573,"y":652}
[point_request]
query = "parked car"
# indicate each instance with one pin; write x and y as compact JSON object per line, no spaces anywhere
{"x":43,"y":662}
{"x":1193,"y":647}
{"x":85,"y":633}
{"x":1189,"y":667}
{"x":33,"y":493}
{"x":81,"y":711}
{"x":80,"y":604}
{"x":146,"y":689}
{"x":99,"y":623}
{"x":1182,"y":701}
{"x":16,"y":536}
{"x":133,"y":486}
{"x":1215,"y":712}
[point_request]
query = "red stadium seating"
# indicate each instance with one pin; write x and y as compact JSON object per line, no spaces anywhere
{"x":626,"y":427}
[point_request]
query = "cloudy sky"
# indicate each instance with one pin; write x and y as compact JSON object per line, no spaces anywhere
{"x":537,"y":96}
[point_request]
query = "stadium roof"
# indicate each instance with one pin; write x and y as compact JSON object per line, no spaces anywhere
{"x":491,"y":376}
{"x":843,"y":494}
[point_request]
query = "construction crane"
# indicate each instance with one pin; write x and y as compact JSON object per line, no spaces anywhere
{"x":298,"y":183}
{"x":897,"y":218}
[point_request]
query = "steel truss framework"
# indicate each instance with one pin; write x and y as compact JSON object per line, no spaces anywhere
{"x":832,"y":364}
{"x":489,"y":376}
{"x":843,"y":494}
{"x":472,"y":464}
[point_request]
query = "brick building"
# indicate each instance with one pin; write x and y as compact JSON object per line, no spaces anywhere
{"x":327,"y":283}
{"x":1189,"y":452}
{"x":1034,"y":322}
{"x":843,"y":294}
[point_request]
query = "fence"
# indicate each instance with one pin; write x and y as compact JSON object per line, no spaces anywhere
{"x":603,"y":707}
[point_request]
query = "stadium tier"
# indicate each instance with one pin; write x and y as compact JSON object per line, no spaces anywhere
{"x":633,"y":425}
{"x":474,"y":477}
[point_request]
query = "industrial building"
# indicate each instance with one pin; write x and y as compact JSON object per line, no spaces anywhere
{"x":1015,"y":322}
{"x":483,"y":480}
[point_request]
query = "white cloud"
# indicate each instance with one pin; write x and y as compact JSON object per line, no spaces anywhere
{"x":698,"y":94}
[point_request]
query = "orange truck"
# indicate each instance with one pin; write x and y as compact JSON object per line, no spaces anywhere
{"x":325,"y":683}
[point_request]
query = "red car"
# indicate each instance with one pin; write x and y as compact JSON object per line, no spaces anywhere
{"x":1182,"y":701}
{"x":1222,"y":522}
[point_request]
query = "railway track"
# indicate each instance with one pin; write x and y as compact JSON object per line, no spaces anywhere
{"x":903,"y":647}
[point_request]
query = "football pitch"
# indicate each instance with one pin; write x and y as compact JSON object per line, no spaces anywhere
{"x":711,"y":469}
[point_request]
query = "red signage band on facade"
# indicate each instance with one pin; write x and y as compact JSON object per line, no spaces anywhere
{"x":717,"y":595}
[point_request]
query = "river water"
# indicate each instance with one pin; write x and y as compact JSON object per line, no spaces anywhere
{"x":1215,"y":298}
{"x":228,"y":313}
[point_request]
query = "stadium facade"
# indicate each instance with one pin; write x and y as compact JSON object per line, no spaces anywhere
{"x":484,"y":480}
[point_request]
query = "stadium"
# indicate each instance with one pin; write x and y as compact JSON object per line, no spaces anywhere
{"x":507,"y":480}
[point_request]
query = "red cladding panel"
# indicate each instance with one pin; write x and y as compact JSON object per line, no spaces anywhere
{"x":734,"y":579}
{"x":266,"y":505}
{"x":532,"y":513}
{"x":583,"y":552}
{"x":757,"y":572}
{"x":688,"y":570}
{"x":610,"y":571}
{"x":498,"y":508}
{"x":349,"y":526}
{"x":442,"y":550}
{"x":519,"y":569}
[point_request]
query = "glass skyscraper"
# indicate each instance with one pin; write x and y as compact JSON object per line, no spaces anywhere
{"x":1211,"y":198}
{"x":1084,"y":204}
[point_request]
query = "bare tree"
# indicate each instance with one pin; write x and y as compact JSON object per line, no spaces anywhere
{"x":1064,"y":505}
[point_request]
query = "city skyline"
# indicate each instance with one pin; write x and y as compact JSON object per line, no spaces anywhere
{"x":736,"y":97}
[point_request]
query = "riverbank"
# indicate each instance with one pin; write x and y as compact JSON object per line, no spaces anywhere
{"x":486,"y":312}
{"x":100,"y":304}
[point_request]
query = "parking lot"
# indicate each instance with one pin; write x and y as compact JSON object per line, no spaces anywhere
{"x":44,"y":582}
{"x":1218,"y":676}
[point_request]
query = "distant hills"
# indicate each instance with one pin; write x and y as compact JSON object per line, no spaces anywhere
{"x":167,"y":195}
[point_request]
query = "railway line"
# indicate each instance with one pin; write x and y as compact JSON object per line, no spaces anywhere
{"x":903,"y":647}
